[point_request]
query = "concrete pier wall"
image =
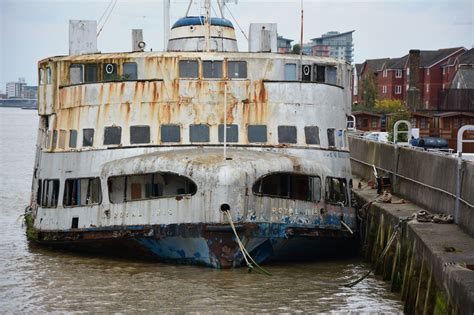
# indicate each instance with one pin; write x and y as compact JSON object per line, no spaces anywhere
{"x":426,"y":178}
{"x":429,"y":264}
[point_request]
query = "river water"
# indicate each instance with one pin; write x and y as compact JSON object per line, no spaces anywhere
{"x":34,"y":279}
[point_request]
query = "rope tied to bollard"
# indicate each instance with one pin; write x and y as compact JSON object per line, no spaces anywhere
{"x":244,"y":251}
{"x":382,"y":254}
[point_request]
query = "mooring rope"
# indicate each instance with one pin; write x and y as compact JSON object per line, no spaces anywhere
{"x":245,"y":253}
{"x":382,"y":255}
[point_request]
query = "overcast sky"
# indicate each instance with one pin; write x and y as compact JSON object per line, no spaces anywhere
{"x":33,"y":29}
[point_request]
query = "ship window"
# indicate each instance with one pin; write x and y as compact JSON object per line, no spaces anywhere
{"x":41,"y":76}
{"x":76,"y":73}
{"x":149,"y":186}
{"x":82,"y":192}
{"x":257,"y":133}
{"x":199,"y":133}
{"x":50,"y":193}
{"x":236,"y":69}
{"x":48,"y":75}
{"x":38,"y":193}
{"x":336,"y":190}
{"x":110,"y":71}
{"x":212,"y":69}
{"x":62,"y":139}
{"x":289,"y":186}
{"x":139,"y":134}
{"x":55,"y":139}
{"x":331,"y":75}
{"x":290,"y":72}
{"x":170,"y":133}
{"x":112,"y":135}
{"x":87,"y":137}
{"x":286,"y":134}
{"x":188,"y":69}
{"x":306,"y":73}
{"x":72,"y":138}
{"x":331,"y":137}
{"x":232,"y":133}
{"x":311,"y":134}
{"x":90,"y":72}
{"x":130,"y":70}
{"x":319,"y":73}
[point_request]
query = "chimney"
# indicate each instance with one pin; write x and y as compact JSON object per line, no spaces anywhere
{"x":137,"y":40}
{"x":82,"y":37}
{"x":413,"y":93}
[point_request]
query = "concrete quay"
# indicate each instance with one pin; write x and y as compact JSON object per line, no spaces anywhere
{"x":430,"y":264}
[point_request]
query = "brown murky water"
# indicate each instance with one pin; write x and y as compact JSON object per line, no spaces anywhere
{"x":38,"y":280}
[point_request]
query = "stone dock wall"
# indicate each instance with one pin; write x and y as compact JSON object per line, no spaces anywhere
{"x":431,"y":265}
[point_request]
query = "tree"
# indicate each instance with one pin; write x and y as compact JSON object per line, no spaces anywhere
{"x":389,"y":106}
{"x":398,"y":111}
{"x":296,"y":49}
{"x":369,"y":92}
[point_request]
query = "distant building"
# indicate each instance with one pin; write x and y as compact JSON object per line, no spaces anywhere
{"x":283,"y":45}
{"x":334,"y":44}
{"x":15,"y":89}
{"x":3,"y":95}
{"x":30,"y":92}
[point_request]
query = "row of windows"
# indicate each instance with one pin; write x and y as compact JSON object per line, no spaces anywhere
{"x":189,"y":68}
{"x":87,"y":191}
{"x":398,"y":89}
{"x":197,"y":133}
{"x":211,"y":69}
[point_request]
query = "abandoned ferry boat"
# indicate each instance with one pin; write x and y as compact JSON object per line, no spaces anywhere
{"x":143,"y":153}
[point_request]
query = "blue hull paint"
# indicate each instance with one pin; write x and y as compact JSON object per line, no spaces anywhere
{"x":212,"y":245}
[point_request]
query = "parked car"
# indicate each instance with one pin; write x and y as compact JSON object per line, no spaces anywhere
{"x":376,"y":136}
{"x":433,"y":143}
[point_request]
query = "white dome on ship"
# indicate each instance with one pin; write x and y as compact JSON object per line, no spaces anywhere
{"x":189,"y":34}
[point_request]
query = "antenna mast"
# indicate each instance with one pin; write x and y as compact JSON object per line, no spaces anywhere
{"x":207,"y":24}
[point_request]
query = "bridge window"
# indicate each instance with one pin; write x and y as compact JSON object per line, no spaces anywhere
{"x":331,"y":75}
{"x":110,"y":71}
{"x":82,"y":192}
{"x":286,"y":134}
{"x":336,"y":190}
{"x":48,"y":75}
{"x":188,"y":69}
{"x":311,"y":134}
{"x":49,"y":193}
{"x":149,"y":186}
{"x":212,"y":69}
{"x":91,"y":73}
{"x":170,"y":133}
{"x":232,"y":133}
{"x":76,"y":73}
{"x":62,"y":139}
{"x":199,"y":133}
{"x":331,"y":137}
{"x":87,"y":137}
{"x":257,"y":133}
{"x":237,"y":69}
{"x":130,"y":70}
{"x":41,"y":76}
{"x":290,"y":72}
{"x":80,"y":73}
{"x":139,"y":134}
{"x":55,"y":139}
{"x":289,"y":186}
{"x":112,"y":135}
{"x":72,"y":138}
{"x":319,"y":74}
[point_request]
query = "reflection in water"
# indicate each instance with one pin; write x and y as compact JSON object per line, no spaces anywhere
{"x":38,"y":279}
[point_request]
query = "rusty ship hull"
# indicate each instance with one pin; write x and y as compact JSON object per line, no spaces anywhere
{"x":156,"y":154}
